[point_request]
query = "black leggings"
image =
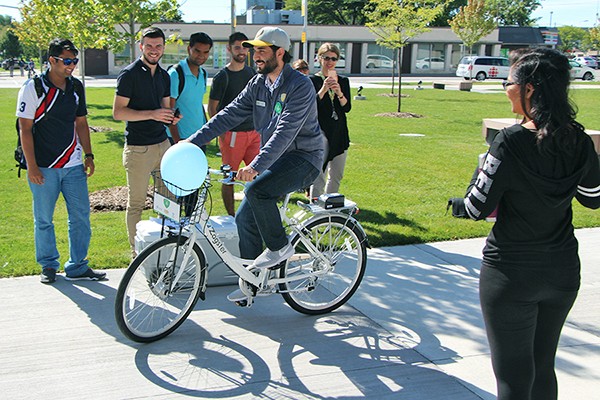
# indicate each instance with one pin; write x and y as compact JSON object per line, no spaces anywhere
{"x":524,"y":312}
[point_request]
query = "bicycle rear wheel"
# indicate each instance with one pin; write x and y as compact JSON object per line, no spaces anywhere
{"x":342,"y":242}
{"x":148,"y":305}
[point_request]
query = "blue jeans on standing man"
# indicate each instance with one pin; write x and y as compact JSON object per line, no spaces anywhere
{"x":72,"y":183}
{"x":258,"y":216}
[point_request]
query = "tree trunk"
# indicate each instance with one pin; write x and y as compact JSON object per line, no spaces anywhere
{"x":400,"y":78}
{"x":82,"y":64}
{"x":131,"y":38}
{"x":393,"y":75}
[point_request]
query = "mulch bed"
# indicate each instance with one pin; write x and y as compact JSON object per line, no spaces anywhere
{"x":115,"y":199}
{"x":400,"y":115}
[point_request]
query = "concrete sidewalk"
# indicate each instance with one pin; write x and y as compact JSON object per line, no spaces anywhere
{"x":412,"y":331}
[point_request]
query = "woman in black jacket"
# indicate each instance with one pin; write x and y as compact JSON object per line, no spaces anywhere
{"x":530,"y":269}
{"x":333,"y":101}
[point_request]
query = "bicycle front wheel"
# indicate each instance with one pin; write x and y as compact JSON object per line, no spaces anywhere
{"x":310,"y":287}
{"x":150,"y":304}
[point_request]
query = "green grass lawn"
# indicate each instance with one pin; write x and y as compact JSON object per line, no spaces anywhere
{"x":400,"y":183}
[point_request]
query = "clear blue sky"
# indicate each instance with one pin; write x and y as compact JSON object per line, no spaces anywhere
{"x":564,"y":12}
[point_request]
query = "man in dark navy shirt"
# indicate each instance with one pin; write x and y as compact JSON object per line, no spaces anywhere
{"x":142,"y":99}
{"x":56,"y":142}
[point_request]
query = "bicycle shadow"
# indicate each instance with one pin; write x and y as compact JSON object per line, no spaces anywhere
{"x":201,"y":365}
{"x":354,"y":357}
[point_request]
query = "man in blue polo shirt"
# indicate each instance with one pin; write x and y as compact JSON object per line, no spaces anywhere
{"x":142,"y":99}
{"x":56,"y":142}
{"x":189,"y":100}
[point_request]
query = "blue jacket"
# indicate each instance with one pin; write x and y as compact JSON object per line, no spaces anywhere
{"x":287,"y":120}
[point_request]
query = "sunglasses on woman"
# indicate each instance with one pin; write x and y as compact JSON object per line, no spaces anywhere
{"x":506,"y":84}
{"x":302,"y":69}
{"x":334,"y":59}
{"x":67,"y":61}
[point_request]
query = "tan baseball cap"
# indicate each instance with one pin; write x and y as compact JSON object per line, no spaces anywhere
{"x":269,"y":36}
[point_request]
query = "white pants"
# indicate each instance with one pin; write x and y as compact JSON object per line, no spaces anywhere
{"x":334,"y":172}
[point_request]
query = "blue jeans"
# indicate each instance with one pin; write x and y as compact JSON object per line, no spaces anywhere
{"x":258,"y":217}
{"x":72,"y":183}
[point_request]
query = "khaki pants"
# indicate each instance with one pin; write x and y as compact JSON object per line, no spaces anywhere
{"x":139,"y":162}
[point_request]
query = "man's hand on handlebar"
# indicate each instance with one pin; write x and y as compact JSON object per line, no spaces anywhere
{"x":246,"y":174}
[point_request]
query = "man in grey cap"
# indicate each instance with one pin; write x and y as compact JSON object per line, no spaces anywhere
{"x":283,"y":106}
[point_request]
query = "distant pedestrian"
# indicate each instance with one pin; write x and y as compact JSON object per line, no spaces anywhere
{"x":30,"y":68}
{"x":11,"y":66}
{"x":22,"y":67}
{"x":301,"y":65}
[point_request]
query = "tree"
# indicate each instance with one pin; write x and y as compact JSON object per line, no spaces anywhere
{"x":10,"y":45}
{"x":332,"y":12}
{"x":395,"y":23}
{"x":5,"y":20}
{"x":513,"y":12}
{"x":472,"y":22}
{"x":594,"y":38}
{"x":92,"y":23}
{"x":571,"y":37}
{"x":450,"y":10}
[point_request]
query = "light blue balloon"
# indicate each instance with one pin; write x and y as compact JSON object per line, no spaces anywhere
{"x":183,"y":168}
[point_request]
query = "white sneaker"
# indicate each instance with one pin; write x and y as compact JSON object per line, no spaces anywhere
{"x":237,"y":295}
{"x":270,"y":258}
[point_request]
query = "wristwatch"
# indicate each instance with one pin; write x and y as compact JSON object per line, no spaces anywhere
{"x":89,"y":155}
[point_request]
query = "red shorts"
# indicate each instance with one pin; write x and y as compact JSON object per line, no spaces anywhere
{"x":239,"y":146}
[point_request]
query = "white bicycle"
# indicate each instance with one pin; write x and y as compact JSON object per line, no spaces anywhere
{"x":164,"y":282}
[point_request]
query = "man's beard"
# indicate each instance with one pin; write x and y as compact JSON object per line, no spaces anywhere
{"x":240,"y":58}
{"x":268,"y":66}
{"x":150,"y":62}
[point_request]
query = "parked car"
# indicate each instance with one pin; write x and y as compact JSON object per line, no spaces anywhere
{"x":340,"y":64}
{"x":483,"y":67}
{"x":579,"y":71}
{"x":587,"y":61}
{"x":430,"y":63}
{"x":379,"y":61}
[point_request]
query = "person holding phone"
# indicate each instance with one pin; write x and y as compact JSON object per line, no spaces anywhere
{"x":333,"y":102}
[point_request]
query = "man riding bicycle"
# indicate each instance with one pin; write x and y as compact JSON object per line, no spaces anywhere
{"x":282,"y":104}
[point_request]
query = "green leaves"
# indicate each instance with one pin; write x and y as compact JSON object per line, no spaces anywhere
{"x":472,"y":22}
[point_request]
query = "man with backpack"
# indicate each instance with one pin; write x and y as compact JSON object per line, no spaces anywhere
{"x":242,"y":143}
{"x":188,"y":85}
{"x":55,"y":140}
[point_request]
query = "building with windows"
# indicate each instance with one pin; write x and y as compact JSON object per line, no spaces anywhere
{"x":435,"y":52}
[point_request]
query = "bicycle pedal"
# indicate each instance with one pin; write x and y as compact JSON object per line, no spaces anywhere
{"x":244,"y":303}
{"x":278,"y":266}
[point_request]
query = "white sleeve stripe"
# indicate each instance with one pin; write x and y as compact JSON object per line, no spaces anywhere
{"x":591,"y":190}
{"x":595,"y":192}
{"x":471,"y":210}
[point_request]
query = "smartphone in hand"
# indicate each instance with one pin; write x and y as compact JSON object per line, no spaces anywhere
{"x":332,"y":73}
{"x":177,"y":113}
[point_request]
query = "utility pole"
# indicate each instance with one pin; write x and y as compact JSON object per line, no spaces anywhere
{"x":304,"y":54}
{"x":233,"y":22}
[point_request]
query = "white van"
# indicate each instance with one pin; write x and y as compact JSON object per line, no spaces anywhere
{"x":483,"y":67}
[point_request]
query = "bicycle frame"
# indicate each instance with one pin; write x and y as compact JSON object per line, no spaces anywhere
{"x":264,"y":279}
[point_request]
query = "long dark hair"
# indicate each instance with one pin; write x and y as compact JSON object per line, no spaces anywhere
{"x":552,"y":111}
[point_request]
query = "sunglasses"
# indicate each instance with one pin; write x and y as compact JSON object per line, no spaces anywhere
{"x":67,"y":61}
{"x":506,"y":84}
{"x":302,"y":69}
{"x":334,"y":59}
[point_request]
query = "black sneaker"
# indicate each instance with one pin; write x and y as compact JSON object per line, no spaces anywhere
{"x":48,"y":275}
{"x":89,"y":275}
